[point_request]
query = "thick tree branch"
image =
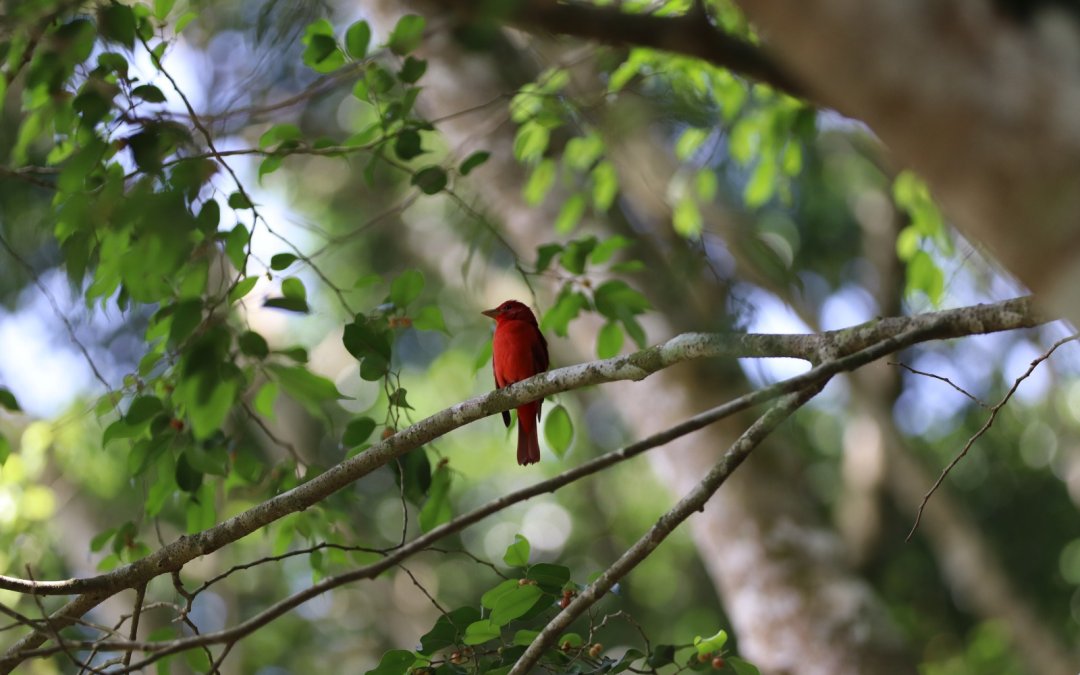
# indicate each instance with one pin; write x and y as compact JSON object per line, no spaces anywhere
{"x":805,"y":384}
{"x":691,"y":34}
{"x":162,"y":649}
{"x":861,"y":344}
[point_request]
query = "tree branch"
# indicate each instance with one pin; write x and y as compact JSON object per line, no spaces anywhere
{"x":691,"y":34}
{"x":848,"y":349}
{"x":693,"y":501}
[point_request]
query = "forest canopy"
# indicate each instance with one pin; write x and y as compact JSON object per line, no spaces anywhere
{"x":812,"y":399}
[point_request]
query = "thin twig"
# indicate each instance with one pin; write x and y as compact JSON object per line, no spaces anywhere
{"x":61,"y":643}
{"x":946,"y":380}
{"x":275,"y":558}
{"x":136,"y":613}
{"x":60,"y":314}
{"x":416,"y":582}
{"x":983,"y":429}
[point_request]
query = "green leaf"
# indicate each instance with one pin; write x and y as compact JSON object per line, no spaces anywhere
{"x":627,"y":660}
{"x":102,"y":538}
{"x":661,"y":656}
{"x":305,"y":385}
{"x":413,"y":470}
{"x":517,"y":554}
{"x":187,"y":477}
{"x":239,"y":200}
{"x":924,"y":275}
{"x":570,"y":214}
{"x":791,"y":160}
{"x":550,"y":578}
{"x":609,"y":340}
{"x":408,"y":145}
{"x":235,"y":244}
{"x":492,"y":595}
{"x":288,"y":304}
{"x":357,"y":39}
{"x":524,"y":638}
{"x":605,"y":186}
{"x":582,"y":152}
{"x":571,"y":640}
{"x":634,"y":330}
{"x":279,"y":133}
{"x":207,"y":401}
{"x":292,"y":287}
{"x":431,"y":180}
{"x":407,"y":34}
{"x":143,"y":408}
{"x":321,"y":52}
{"x":269,"y":165}
{"x":741,"y":667}
{"x":358,"y":431}
{"x":119,"y":429}
{"x":186,"y":317}
{"x":907,"y":243}
{"x":412,"y":70}
{"x":762,"y":184}
{"x":397,"y":399}
{"x":689,"y":142}
{"x":210,"y":457}
{"x":364,"y":338}
{"x":281,"y":261}
{"x":607,"y":248}
{"x":253,"y":344}
{"x":198,"y":660}
{"x":576,"y":253}
{"x":706,"y":185}
{"x":480,"y":632}
{"x":559,"y":430}
{"x":7,"y":400}
{"x":264,"y":400}
{"x":567,"y":306}
{"x":5,"y":449}
{"x":472,"y":161}
{"x":162,"y":8}
{"x":429,"y":317}
{"x":545,"y":254}
{"x":116,"y":22}
{"x":530,"y":142}
{"x":394,"y":662}
{"x":710,"y":644}
{"x":148,"y":93}
{"x":436,"y":509}
{"x":626,"y":71}
{"x":242,"y":288}
{"x":687,"y":217}
{"x":540,"y":180}
{"x":407,"y":287}
{"x":514,"y":604}
{"x":615,"y":299}
{"x":448,"y":629}
{"x":367,"y":280}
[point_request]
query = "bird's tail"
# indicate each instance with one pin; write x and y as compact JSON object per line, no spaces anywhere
{"x":528,"y":449}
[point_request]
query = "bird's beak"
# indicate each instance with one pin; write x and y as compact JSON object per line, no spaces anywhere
{"x":491,"y":312}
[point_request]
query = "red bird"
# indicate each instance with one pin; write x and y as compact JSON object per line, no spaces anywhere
{"x":519,"y":351}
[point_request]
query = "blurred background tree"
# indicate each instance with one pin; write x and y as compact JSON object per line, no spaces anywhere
{"x":246,"y":241}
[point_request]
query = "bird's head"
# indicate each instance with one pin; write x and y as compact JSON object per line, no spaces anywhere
{"x":511,"y":310}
